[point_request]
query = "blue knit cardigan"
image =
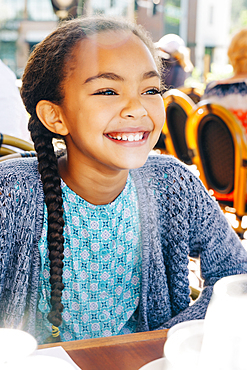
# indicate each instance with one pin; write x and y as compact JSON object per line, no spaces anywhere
{"x":178,"y":219}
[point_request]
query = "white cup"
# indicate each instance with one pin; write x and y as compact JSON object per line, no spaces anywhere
{"x":183,"y":344}
{"x":224,"y":344}
{"x":15,"y":345}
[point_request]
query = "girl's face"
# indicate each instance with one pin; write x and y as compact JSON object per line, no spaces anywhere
{"x":112,"y":108}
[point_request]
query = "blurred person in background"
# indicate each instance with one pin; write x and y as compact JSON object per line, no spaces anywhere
{"x":13,"y":115}
{"x":231,"y":93}
{"x":175,"y":58}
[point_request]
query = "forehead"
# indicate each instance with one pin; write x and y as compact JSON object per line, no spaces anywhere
{"x":111,"y":49}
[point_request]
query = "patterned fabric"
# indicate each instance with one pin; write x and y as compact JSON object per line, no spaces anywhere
{"x":232,"y":96}
{"x":102,"y":267}
{"x":178,"y":219}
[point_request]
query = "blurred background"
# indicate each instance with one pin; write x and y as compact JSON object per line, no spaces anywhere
{"x":206,"y":27}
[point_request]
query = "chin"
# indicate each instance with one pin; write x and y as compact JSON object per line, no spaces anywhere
{"x":135,"y":163}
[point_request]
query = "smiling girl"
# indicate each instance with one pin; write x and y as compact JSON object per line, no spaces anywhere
{"x":95,"y":241}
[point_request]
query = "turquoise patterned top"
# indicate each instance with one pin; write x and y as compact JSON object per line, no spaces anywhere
{"x":102,"y":267}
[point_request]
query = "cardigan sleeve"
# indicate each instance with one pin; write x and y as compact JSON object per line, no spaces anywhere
{"x":214,"y":241}
{"x":21,"y":215}
{"x":183,"y":220}
{"x":211,"y":239}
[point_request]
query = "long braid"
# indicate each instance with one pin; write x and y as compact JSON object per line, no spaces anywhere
{"x":48,"y":169}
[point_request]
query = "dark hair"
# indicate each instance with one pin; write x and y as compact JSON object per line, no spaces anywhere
{"x":43,"y":79}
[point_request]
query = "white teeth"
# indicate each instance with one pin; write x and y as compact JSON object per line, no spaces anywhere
{"x":131,"y":137}
{"x":137,"y":137}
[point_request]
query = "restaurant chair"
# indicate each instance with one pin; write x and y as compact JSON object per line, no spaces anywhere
{"x":195,"y":292}
{"x":194,"y":93}
{"x":218,"y":147}
{"x":10,"y":145}
{"x":30,"y":153}
{"x":177,"y":107}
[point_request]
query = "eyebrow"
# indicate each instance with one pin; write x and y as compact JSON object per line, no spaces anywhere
{"x":115,"y":77}
{"x":151,"y":74}
{"x":108,"y":76}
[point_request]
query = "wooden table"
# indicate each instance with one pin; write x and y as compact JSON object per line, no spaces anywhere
{"x":123,"y":352}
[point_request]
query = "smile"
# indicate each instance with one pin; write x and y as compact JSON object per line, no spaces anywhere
{"x":127,"y":136}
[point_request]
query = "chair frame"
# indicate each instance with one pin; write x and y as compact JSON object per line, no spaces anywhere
{"x":194,"y":93}
{"x":187,"y":104}
{"x":30,"y":153}
{"x":8,"y":144}
{"x":201,"y":110}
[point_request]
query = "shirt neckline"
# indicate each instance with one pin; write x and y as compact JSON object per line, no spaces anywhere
{"x":68,"y":190}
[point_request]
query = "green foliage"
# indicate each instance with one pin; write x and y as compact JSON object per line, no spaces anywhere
{"x":176,"y":3}
{"x":172,"y":20}
{"x":243,"y":18}
{"x":238,"y":14}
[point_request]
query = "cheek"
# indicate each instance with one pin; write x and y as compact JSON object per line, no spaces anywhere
{"x":159,"y":116}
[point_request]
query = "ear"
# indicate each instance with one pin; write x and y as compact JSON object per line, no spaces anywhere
{"x":50,"y":115}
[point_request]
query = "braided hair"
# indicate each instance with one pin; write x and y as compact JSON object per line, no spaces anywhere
{"x":44,"y":79}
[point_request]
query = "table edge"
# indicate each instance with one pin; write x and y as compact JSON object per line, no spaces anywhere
{"x":109,"y":341}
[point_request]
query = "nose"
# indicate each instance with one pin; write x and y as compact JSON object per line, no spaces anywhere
{"x":133,"y":109}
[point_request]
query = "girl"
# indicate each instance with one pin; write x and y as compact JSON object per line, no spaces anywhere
{"x":95,"y":242}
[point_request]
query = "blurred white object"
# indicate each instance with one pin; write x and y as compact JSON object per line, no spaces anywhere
{"x":224,"y":344}
{"x":160,"y":364}
{"x":18,"y":351}
{"x":45,"y":362}
{"x":13,"y":115}
{"x":173,"y":45}
{"x":170,"y":43}
{"x":58,"y":352}
{"x":39,"y":363}
{"x":189,"y":325}
{"x":183,"y":345}
{"x":15,"y":345}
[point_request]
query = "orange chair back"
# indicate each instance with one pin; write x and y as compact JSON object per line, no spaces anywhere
{"x":177,"y":107}
{"x":217,"y":141}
